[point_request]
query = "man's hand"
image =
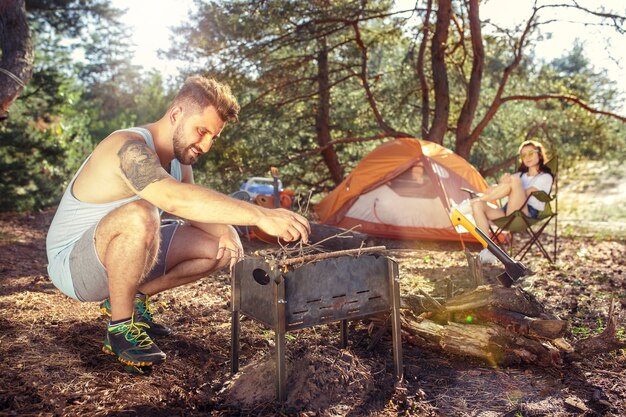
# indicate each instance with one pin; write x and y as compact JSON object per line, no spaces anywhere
{"x":230,"y":243}
{"x":285,"y":224}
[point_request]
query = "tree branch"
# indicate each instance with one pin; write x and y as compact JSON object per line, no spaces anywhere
{"x":564,"y":97}
{"x":421,"y":73}
{"x":440,"y":72}
{"x":464,"y":140}
{"x":501,"y":165}
{"x":365,"y":81}
{"x":311,"y":152}
{"x":497,"y":100}
{"x":607,"y":341}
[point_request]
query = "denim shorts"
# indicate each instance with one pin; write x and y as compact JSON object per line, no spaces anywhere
{"x":532,"y":212}
{"x":89,"y":275}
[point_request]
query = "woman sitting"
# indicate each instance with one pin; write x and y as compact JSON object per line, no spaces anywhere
{"x":532,"y":175}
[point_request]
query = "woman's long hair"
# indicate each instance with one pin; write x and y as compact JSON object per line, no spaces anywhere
{"x":542,"y":158}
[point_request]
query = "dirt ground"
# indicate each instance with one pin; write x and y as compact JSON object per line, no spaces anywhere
{"x":51,"y":363}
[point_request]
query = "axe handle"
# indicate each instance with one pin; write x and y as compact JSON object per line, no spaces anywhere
{"x":513,"y":269}
{"x":459,"y":219}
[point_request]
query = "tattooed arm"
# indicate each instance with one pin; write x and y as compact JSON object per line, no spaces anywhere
{"x":140,"y":165}
{"x":141,"y":170}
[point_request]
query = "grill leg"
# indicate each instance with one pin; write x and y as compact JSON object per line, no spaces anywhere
{"x":281,"y":372}
{"x":395,"y":319}
{"x":235,"y":278}
{"x":279,"y":335}
{"x":344,"y":334}
{"x":234,"y":343}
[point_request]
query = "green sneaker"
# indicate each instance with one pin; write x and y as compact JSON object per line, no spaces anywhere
{"x":132,"y":345}
{"x":145,"y":310}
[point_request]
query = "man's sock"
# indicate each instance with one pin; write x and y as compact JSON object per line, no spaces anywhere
{"x":113,"y":323}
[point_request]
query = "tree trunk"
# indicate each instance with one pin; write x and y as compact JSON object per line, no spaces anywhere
{"x":494,"y":344}
{"x":421,"y":75}
{"x":440,"y":74}
{"x":322,"y":119}
{"x":16,"y":62}
{"x":464,"y":141}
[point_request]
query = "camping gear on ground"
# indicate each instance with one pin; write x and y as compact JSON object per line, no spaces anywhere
{"x":403,"y":189}
{"x":513,"y":270}
{"x":299,"y":293}
{"x":242,"y":195}
{"x":264,"y":192}
{"x":285,"y":200}
{"x":260,"y":185}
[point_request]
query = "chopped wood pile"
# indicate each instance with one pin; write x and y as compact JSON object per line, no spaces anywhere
{"x":503,"y":326}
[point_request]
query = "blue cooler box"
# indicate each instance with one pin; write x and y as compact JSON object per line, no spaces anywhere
{"x":260,"y":185}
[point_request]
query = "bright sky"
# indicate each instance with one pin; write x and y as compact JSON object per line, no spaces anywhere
{"x":604,"y":46}
{"x":150,"y":21}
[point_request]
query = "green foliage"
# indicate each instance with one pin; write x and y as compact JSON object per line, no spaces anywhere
{"x":47,"y":136}
{"x":127,"y":99}
{"x":269,"y":52}
{"x":565,"y":129}
{"x":43,"y":143}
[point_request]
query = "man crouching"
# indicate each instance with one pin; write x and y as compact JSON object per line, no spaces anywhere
{"x":106,"y":242}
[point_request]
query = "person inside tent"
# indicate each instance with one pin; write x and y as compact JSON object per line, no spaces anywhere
{"x":414,"y":182}
{"x":532,"y":175}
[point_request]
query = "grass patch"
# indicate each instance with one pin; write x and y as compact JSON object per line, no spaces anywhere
{"x":592,"y":200}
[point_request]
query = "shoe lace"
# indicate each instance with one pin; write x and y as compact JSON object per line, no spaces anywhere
{"x":146,"y":309}
{"x":135,"y":332}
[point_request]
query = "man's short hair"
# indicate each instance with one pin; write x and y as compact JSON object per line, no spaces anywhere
{"x":198,"y":93}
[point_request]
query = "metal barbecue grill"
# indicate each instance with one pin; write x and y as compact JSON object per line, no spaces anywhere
{"x":336,"y":289}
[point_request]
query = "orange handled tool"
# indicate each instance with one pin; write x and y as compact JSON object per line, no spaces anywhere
{"x":513,"y":269}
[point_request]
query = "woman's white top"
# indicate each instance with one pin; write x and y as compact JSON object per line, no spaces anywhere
{"x":541,"y":181}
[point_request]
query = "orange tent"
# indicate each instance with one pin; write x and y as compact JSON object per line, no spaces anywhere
{"x":403,"y":189}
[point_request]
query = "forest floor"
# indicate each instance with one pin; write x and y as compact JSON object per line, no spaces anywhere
{"x":51,"y":362}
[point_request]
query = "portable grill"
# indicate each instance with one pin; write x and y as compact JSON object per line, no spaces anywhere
{"x":336,"y":289}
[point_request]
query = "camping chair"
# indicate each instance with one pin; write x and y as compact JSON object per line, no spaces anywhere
{"x":518,"y":222}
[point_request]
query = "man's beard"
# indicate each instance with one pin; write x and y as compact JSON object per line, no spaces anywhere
{"x":183,"y":153}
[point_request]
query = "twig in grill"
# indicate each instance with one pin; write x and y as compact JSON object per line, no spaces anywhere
{"x":287,"y":255}
{"x":327,"y":255}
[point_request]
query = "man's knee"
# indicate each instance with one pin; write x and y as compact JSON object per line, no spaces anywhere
{"x":142,"y":218}
{"x":194,"y":243}
{"x":210,"y":247}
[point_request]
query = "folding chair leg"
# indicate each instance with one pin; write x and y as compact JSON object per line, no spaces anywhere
{"x":496,"y":235}
{"x":534,"y":239}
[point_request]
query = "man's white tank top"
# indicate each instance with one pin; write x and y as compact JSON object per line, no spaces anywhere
{"x":73,"y":217}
